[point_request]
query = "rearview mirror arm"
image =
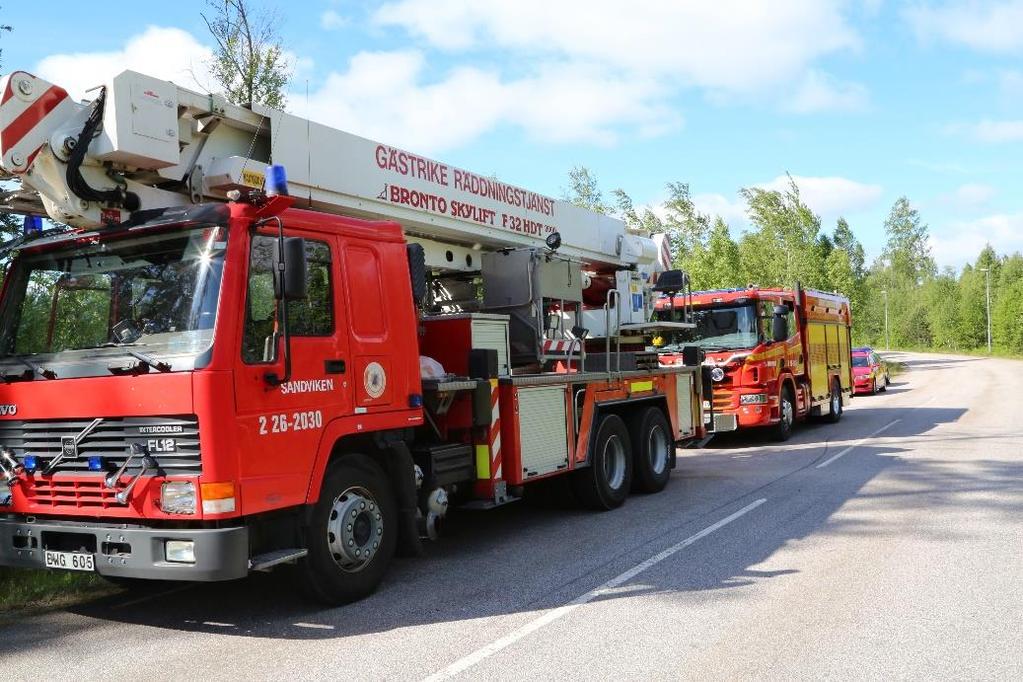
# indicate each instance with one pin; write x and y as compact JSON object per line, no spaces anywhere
{"x":282,"y":303}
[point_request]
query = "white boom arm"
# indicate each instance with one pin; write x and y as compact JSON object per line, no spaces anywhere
{"x":150,"y":144}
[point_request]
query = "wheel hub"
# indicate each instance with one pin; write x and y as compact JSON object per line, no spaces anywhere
{"x":614,"y":463}
{"x":658,"y":450}
{"x":354,"y":529}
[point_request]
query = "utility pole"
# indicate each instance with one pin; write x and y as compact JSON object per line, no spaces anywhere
{"x":987,"y":287}
{"x":887,"y":342}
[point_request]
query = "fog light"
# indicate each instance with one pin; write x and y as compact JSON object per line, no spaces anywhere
{"x":180,"y":551}
{"x":178,"y":497}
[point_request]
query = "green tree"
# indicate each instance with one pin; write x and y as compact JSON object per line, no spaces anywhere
{"x":785,"y":244}
{"x":248,"y":61}
{"x":716,"y":264}
{"x":584,"y":190}
{"x":907,"y":252}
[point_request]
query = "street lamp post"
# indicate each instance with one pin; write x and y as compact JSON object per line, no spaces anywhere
{"x":887,"y":342}
{"x":987,"y":294}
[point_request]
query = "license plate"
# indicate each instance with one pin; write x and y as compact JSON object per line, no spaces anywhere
{"x":70,"y":561}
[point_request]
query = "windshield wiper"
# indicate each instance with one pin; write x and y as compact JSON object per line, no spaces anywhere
{"x":34,"y":370}
{"x":148,"y":360}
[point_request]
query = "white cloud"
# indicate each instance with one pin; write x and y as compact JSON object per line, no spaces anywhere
{"x":385,"y":95}
{"x":732,"y":210}
{"x":989,"y":131}
{"x":961,"y":241}
{"x":730,"y":45}
{"x":820,"y":91}
{"x":985,"y":25}
{"x":167,"y":53}
{"x":331,"y":20}
{"x":970,"y":195}
{"x":830,"y":197}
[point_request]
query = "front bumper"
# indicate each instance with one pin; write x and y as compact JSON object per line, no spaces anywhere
{"x":128,"y":551}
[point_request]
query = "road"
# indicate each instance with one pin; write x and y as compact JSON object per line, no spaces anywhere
{"x":890,"y":544}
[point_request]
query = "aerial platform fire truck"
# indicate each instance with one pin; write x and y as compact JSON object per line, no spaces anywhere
{"x":775,"y":356}
{"x":212,"y":370}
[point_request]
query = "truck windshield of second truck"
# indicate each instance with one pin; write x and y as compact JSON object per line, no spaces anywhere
{"x":720,"y":328}
{"x":82,"y":305}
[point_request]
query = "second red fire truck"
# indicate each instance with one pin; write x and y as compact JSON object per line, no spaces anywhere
{"x":775,"y":356}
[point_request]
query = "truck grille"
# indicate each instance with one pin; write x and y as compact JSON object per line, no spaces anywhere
{"x":722,"y":400}
{"x":82,"y":494}
{"x":110,"y":440}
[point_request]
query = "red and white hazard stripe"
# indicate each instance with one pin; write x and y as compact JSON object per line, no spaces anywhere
{"x":495,"y":432}
{"x":552,"y":346}
{"x":30,"y":111}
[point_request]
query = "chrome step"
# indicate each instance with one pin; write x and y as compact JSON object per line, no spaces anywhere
{"x":264,"y":562}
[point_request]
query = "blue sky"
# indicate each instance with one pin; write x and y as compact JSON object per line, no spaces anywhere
{"x":861,"y":100}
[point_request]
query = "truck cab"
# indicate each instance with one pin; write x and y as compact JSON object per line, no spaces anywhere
{"x":149,"y":401}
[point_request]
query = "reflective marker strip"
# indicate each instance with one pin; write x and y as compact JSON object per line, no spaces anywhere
{"x":641,"y":386}
{"x":495,"y":431}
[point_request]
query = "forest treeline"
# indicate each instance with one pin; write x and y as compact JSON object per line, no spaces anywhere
{"x":786,"y":242}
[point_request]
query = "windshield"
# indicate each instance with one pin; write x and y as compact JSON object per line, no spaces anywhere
{"x":155,"y":293}
{"x":719,"y":328}
{"x":860,"y":361}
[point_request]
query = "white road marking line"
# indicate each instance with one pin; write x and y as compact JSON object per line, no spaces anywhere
{"x":463,"y":664}
{"x":858,"y":443}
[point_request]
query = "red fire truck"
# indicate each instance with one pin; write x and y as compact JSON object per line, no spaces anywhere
{"x":775,"y":356}
{"x":207,"y":374}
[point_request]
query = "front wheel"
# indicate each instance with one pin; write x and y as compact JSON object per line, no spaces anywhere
{"x":605,"y":483}
{"x":353,"y":532}
{"x":652,"y":448}
{"x":782,"y":431}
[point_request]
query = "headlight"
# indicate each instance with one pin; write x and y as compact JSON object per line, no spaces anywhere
{"x":178,"y":497}
{"x":753,"y":399}
{"x":717,"y":374}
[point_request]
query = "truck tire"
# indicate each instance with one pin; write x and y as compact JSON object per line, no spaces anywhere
{"x":652,"y":446}
{"x":605,"y":483}
{"x":782,"y":431}
{"x":835,"y":413}
{"x":355,"y":517}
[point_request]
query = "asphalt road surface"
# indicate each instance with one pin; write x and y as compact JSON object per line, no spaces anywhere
{"x":888,"y":545}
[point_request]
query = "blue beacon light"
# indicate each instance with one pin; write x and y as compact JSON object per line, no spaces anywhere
{"x":276,"y":181}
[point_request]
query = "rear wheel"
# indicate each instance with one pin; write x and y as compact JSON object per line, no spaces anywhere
{"x":782,"y":431}
{"x":353,"y":532}
{"x":836,"y":402}
{"x":605,"y":483}
{"x":652,"y":448}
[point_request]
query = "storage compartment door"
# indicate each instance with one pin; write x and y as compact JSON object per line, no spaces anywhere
{"x":818,"y":360}
{"x":684,"y":404}
{"x":543,"y":430}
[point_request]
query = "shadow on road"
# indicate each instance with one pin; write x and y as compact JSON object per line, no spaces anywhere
{"x":531,"y":556}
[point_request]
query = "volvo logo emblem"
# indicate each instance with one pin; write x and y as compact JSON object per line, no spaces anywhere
{"x":69,"y":447}
{"x":8,"y":410}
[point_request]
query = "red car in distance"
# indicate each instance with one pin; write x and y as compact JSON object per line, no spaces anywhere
{"x":870,"y":372}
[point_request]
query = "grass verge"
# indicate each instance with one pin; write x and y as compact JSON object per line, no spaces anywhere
{"x":30,"y":589}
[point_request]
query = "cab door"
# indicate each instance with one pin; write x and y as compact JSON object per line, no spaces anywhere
{"x":281,"y":425}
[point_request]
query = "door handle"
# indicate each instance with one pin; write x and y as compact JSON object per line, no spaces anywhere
{"x":334,"y":366}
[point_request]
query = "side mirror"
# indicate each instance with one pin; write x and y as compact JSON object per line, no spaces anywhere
{"x":780,"y":324}
{"x":291,"y":285}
